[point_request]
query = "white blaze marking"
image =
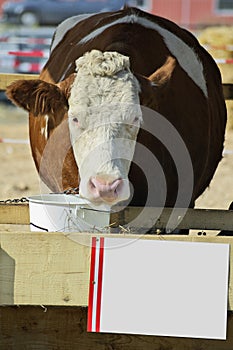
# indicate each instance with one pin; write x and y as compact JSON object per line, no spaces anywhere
{"x":103,"y":142}
{"x":65,"y":26}
{"x":184,"y":54}
{"x":64,"y":74}
{"x":45,"y":129}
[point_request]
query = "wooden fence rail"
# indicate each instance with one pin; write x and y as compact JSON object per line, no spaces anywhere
{"x":197,"y":219}
{"x":7,"y":78}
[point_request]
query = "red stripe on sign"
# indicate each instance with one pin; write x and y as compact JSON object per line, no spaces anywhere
{"x":91,"y":285}
{"x":100,"y":279}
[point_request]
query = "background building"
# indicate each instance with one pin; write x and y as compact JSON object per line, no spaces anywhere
{"x":189,"y":13}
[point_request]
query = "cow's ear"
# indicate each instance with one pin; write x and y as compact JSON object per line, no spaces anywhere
{"x":65,"y":85}
{"x":37,"y":96}
{"x":163,"y":74}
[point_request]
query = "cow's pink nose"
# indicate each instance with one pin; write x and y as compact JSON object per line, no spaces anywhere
{"x":104,"y":189}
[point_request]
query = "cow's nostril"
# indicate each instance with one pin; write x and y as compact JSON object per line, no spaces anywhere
{"x":92,"y":185}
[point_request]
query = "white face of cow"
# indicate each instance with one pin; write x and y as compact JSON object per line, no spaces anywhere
{"x":104,"y":120}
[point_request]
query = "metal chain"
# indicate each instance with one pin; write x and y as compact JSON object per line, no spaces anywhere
{"x":14,"y":201}
{"x":74,"y":190}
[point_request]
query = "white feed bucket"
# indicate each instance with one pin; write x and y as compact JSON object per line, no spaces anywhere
{"x":66,"y":213}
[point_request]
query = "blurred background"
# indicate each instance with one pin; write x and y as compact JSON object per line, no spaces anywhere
{"x":27,"y":26}
{"x":26,"y":30}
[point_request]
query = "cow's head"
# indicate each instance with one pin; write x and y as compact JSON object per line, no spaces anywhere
{"x":104,"y":117}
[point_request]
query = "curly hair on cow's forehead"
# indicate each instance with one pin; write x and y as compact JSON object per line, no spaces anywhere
{"x":100,"y":63}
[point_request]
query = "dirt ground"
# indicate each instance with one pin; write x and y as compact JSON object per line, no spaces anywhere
{"x":18,"y":176}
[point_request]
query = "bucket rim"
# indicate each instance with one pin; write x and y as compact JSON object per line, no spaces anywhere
{"x":56,"y":199}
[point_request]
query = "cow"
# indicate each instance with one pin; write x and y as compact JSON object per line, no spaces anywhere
{"x":110,"y":75}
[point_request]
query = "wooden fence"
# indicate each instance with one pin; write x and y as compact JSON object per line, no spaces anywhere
{"x":44,"y":282}
{"x":44,"y":279}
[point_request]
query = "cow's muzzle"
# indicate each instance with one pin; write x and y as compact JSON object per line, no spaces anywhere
{"x":110,"y":191}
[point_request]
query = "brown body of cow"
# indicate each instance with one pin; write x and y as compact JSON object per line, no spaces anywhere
{"x":199,"y":119}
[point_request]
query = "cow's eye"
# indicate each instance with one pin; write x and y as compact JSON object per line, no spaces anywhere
{"x":77,"y":124}
{"x":136,"y":120}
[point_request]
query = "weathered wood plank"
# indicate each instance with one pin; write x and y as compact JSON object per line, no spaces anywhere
{"x":17,"y":214}
{"x":53,"y":269}
{"x":64,"y":328}
{"x":37,"y":268}
{"x":7,"y":79}
{"x":198,"y":219}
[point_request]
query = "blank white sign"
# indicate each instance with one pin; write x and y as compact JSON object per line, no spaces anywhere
{"x":163,"y":288}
